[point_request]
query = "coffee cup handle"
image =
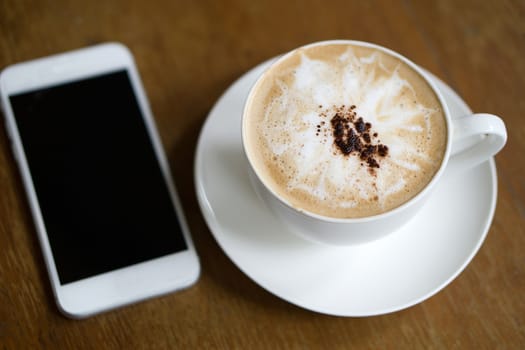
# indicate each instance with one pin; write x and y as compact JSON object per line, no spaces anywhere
{"x":475,"y":139}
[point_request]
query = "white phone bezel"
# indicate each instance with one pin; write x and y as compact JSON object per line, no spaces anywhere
{"x":126,"y":285}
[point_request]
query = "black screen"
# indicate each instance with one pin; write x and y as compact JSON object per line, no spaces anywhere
{"x":100,"y":188}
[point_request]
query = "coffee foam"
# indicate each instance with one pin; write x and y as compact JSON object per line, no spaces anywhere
{"x":290,"y":140}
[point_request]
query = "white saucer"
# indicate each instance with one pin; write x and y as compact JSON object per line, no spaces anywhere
{"x":383,"y":276}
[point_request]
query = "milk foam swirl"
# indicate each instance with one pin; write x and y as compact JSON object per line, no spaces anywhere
{"x":297,"y":140}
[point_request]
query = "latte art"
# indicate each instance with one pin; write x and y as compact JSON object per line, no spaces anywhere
{"x":344,"y":131}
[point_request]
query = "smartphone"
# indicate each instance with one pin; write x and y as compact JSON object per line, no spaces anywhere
{"x":106,"y":212}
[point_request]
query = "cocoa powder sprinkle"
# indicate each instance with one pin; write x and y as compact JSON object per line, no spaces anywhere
{"x":352,"y":137}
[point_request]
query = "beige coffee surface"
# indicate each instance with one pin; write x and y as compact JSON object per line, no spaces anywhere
{"x":344,"y":131}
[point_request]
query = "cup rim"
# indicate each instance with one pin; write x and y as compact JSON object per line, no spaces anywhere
{"x":421,"y":194}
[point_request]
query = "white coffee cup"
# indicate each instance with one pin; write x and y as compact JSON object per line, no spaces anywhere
{"x":470,"y":141}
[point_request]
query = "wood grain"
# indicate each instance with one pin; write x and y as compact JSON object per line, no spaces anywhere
{"x":188,"y":52}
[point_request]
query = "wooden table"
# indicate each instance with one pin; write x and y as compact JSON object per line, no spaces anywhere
{"x":188,"y":53}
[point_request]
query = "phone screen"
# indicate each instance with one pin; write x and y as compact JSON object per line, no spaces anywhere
{"x":102,"y":193}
